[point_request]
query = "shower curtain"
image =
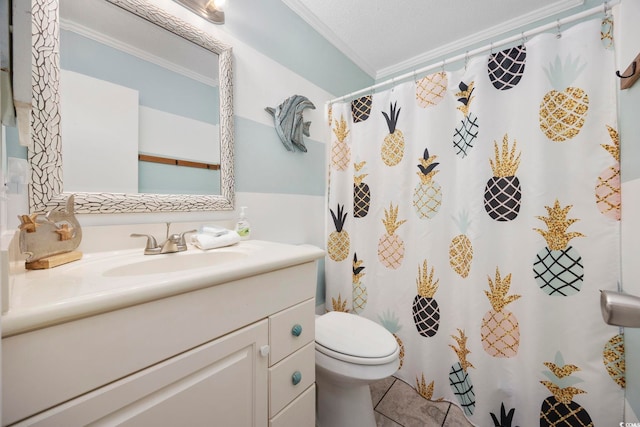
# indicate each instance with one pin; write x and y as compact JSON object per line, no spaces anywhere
{"x":476,"y":215}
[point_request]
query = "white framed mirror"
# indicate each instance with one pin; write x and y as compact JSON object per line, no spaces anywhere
{"x":47,"y":188}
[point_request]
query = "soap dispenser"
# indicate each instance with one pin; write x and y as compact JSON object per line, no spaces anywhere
{"x":242,"y":226}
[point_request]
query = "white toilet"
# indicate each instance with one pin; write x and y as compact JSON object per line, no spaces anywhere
{"x":351,"y":353}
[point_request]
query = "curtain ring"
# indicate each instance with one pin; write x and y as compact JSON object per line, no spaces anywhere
{"x":466,"y":60}
{"x":491,"y":48}
{"x":444,"y":62}
{"x":524,"y":39}
{"x":558,"y":34}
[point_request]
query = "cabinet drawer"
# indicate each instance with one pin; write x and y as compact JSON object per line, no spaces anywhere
{"x":282,"y":336}
{"x":282,"y":389}
{"x":299,"y":413}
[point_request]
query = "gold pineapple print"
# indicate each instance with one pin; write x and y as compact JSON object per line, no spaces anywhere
{"x":340,"y":151}
{"x":559,"y":409}
{"x":606,"y":32}
{"x":339,"y":304}
{"x":506,"y":67}
{"x":608,"y":196}
{"x":500,"y":330}
{"x":459,"y":378}
{"x":613,"y":357}
{"x":390,"y":245}
{"x":564,"y":108}
{"x":361,"y":108}
{"x":426,"y":390}
{"x":393,"y":145}
{"x":339,"y":241}
{"x":426,"y":312}
{"x":558,"y":267}
{"x":391,"y":323}
{"x":503,"y":194}
{"x":427,"y":195}
{"x":430,"y":90}
{"x":361,"y":191}
{"x":359,"y":290}
{"x":466,"y":132}
{"x":460,"y":248}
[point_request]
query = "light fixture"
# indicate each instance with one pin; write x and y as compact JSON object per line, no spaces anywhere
{"x":211,"y":10}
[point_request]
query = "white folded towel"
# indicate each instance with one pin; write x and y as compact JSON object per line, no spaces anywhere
{"x":206,"y":241}
{"x":213,"y":229}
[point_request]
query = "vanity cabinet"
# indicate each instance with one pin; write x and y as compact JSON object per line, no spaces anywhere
{"x":239,"y":353}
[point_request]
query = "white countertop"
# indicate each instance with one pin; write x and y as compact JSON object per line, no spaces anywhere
{"x":40,"y":298}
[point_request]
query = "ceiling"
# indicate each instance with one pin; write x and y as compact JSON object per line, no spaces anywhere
{"x":384,"y":37}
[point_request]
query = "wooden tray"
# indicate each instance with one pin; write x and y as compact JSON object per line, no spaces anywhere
{"x":53,"y":261}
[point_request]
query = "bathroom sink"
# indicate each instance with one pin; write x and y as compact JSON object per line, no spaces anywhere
{"x":169,"y":263}
{"x":111,"y":280}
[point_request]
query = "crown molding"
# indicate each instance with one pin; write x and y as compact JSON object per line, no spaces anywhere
{"x":310,"y":18}
{"x":494,"y":32}
{"x":132,"y":50}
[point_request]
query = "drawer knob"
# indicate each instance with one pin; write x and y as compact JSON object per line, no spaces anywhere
{"x":296,"y":377}
{"x":296,"y":330}
{"x":264,"y":350}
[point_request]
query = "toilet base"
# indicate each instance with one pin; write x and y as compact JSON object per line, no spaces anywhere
{"x":343,"y":405}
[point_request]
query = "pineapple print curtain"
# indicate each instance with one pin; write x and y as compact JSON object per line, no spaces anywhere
{"x":475,"y":214}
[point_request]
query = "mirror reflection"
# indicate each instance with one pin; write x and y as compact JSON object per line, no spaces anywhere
{"x":46,"y":187}
{"x":139,"y":105}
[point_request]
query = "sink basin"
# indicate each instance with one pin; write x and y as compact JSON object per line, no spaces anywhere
{"x":169,"y":263}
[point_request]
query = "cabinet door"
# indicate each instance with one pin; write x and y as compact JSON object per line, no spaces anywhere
{"x":221,"y":383}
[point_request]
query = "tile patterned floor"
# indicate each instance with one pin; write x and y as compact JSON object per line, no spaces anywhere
{"x":397,"y":404}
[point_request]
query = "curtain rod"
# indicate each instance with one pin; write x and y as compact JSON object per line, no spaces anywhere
{"x":593,"y":11}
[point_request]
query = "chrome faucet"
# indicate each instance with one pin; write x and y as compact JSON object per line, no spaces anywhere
{"x":174,"y":242}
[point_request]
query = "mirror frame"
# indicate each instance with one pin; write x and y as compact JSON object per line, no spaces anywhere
{"x":45,"y":148}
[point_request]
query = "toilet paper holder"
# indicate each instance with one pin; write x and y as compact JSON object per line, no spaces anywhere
{"x":620,"y":309}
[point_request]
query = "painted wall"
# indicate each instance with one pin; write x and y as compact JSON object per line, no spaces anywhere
{"x":276,"y":55}
{"x":627,"y":47}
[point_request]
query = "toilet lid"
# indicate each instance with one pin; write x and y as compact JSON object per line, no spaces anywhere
{"x":348,"y":336}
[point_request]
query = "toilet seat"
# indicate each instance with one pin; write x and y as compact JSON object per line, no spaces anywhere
{"x":354,"y":339}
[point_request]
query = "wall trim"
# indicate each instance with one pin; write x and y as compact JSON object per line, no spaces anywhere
{"x":99,"y":37}
{"x":490,"y":33}
{"x":303,"y":11}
